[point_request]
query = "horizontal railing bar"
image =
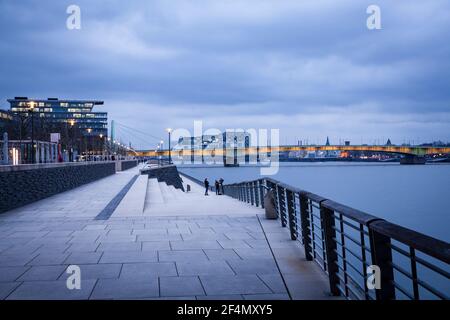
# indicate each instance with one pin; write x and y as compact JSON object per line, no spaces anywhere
{"x":354,"y":268}
{"x":316,"y":216}
{"x":403,"y":290}
{"x":421,"y":261}
{"x":357,"y":215}
{"x":355,"y":288}
{"x":402,"y":270}
{"x":432,"y":267}
{"x":351,"y":287}
{"x":312,"y":196}
{"x":316,"y":225}
{"x":351,"y":265}
{"x":432,"y":290}
{"x":355,"y":241}
{"x":353,"y":254}
{"x":355,"y":227}
{"x":428,"y":245}
{"x":418,"y":281}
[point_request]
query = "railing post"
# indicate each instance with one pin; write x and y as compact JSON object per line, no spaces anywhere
{"x":261,"y":192}
{"x":282,"y":205}
{"x":247,"y":193}
{"x":252,"y":195}
{"x":256,"y":189}
{"x":381,"y":253}
{"x":327,"y":217}
{"x":306,"y":231}
{"x":275,"y":195}
{"x":290,"y":202}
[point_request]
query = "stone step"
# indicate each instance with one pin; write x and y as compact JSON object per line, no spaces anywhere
{"x":154,"y":193}
{"x":134,"y":201}
{"x":168,"y":196}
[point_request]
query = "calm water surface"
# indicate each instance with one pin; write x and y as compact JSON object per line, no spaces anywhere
{"x":417,"y":197}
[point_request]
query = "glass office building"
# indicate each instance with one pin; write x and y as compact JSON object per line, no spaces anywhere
{"x":71,"y":113}
{"x":82,"y":131}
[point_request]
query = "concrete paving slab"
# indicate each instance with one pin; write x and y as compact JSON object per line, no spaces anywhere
{"x":194,"y":268}
{"x":128,"y":257}
{"x":9,"y":274}
{"x":148,"y":270}
{"x":228,"y":284}
{"x":177,"y":286}
{"x":181,"y":256}
{"x":126,"y":289}
{"x":51,"y":290}
{"x":42,"y":273}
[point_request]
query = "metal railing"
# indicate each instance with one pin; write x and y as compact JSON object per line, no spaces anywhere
{"x":199,"y":182}
{"x":347,"y":243}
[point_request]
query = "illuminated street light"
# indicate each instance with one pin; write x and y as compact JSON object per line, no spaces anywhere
{"x":169,"y":131}
{"x":33,"y":152}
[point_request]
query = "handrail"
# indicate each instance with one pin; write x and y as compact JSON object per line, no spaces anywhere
{"x":331,"y":232}
{"x":434,"y":247}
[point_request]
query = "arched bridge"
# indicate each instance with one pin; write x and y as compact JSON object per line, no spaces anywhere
{"x":403,"y":150}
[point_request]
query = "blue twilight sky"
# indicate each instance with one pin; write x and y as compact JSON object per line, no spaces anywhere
{"x":308,"y":67}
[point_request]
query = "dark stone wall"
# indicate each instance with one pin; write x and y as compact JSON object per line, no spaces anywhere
{"x":167,"y":174}
{"x":128,"y":164}
{"x":21,"y":187}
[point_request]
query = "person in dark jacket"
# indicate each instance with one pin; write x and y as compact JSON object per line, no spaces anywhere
{"x":206,"y":182}
{"x":221,"y":186}
{"x":217,"y":185}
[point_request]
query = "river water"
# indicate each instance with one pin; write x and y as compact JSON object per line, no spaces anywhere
{"x":416,"y":197}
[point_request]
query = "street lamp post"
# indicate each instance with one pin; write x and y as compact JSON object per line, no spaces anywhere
{"x":88,"y":141}
{"x":72,"y":123}
{"x":169,"y":131}
{"x":101,"y":144}
{"x":32,"y":133}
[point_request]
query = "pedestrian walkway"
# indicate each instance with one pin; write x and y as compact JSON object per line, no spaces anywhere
{"x":179,"y":246}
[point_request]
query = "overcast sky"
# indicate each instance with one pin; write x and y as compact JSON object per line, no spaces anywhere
{"x":310,"y":68}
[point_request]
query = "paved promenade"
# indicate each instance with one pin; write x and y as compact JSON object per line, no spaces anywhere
{"x":231,"y":253}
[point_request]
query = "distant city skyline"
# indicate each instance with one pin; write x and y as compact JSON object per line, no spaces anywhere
{"x":311,"y":69}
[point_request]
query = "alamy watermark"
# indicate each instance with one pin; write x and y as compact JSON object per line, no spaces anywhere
{"x":373,"y":277}
{"x":373,"y":22}
{"x":231,"y":147}
{"x":74,"y":279}
{"x":73,"y":21}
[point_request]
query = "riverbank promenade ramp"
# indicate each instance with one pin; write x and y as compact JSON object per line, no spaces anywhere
{"x":134,"y":237}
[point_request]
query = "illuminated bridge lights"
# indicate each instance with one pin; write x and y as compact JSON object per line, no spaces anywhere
{"x":406,"y":150}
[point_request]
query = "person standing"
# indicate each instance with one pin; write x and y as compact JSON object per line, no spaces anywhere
{"x":206,"y":182}
{"x":221,"y":186}
{"x":217,"y":185}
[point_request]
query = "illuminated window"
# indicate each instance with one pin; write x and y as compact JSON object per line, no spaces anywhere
{"x":64,"y":104}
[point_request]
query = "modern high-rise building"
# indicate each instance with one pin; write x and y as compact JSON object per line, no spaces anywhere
{"x":80,"y":128}
{"x":70,"y":112}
